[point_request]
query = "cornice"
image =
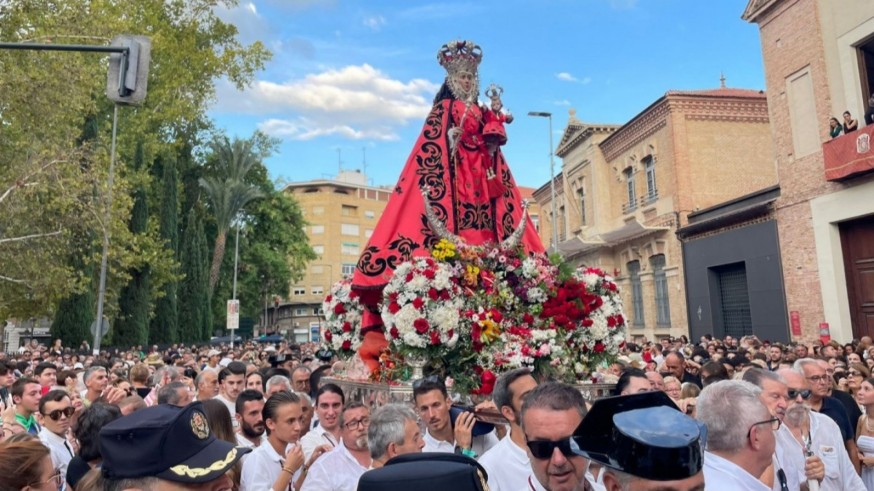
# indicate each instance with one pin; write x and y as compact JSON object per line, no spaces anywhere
{"x":755,"y":9}
{"x":571,"y":140}
{"x":642,"y":126}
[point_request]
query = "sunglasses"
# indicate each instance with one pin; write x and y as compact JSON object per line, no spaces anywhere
{"x":432,"y":379}
{"x":793,"y":393}
{"x":56,"y":414}
{"x":543,"y":449}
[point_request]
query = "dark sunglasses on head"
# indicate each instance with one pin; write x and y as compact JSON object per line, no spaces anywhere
{"x":431,"y":379}
{"x":56,"y":414}
{"x":543,"y":449}
{"x":793,"y":393}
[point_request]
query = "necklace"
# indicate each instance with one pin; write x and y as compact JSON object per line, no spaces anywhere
{"x":868,"y":424}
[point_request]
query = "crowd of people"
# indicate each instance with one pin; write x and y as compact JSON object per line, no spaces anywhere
{"x":743,"y":413}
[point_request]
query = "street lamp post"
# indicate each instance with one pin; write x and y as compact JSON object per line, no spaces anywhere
{"x":540,"y":114}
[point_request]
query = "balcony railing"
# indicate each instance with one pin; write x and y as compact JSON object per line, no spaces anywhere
{"x":629,"y":207}
{"x":649,"y":197}
{"x":849,"y":155}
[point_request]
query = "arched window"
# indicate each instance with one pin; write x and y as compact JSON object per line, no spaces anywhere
{"x":633,"y":268}
{"x":662,"y":301}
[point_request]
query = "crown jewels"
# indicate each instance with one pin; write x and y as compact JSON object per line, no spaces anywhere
{"x":460,"y":56}
{"x":494,"y":91}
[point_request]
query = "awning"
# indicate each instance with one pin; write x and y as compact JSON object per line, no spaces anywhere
{"x":630,"y":231}
{"x":729,"y":218}
{"x":576,"y":246}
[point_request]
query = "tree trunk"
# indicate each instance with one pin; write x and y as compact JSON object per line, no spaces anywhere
{"x":217,"y":256}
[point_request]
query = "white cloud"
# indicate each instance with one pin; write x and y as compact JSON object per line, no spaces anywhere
{"x":374,"y":22}
{"x":355,"y":102}
{"x":250,"y":24}
{"x":565,"y":76}
{"x":562,"y":102}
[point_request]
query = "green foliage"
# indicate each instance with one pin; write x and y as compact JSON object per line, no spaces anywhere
{"x":165,"y":323}
{"x":52,"y":185}
{"x":194,"y":289}
{"x":131,"y":326}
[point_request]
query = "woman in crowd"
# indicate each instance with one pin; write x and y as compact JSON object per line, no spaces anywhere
{"x":86,"y":431}
{"x":856,"y":374}
{"x":27,"y":465}
{"x":835,"y":128}
{"x":850,"y":124}
{"x":865,"y":431}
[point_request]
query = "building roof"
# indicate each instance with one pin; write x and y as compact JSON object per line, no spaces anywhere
{"x":720,"y":92}
{"x":526,"y":192}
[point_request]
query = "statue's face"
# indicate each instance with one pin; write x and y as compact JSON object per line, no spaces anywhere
{"x":464,"y":80}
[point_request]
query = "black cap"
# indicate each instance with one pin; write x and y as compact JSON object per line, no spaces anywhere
{"x":167,"y":442}
{"x":644,"y":435}
{"x":429,"y":471}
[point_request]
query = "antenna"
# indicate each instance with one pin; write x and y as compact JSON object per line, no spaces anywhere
{"x":364,"y":160}
{"x":339,"y":160}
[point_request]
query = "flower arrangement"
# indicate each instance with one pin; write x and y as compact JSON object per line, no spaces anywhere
{"x":420,"y":308}
{"x":476,"y":312}
{"x":342,"y":310}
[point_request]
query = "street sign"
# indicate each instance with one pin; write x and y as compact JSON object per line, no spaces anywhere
{"x":233,"y":315}
{"x":128,"y":75}
{"x":104,"y":328}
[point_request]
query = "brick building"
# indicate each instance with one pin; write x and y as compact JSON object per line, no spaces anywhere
{"x":623,"y":192}
{"x":341,"y":214}
{"x":819,"y":62}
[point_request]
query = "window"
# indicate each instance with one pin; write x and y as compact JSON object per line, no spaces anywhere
{"x":317,"y":229}
{"x":663,"y":306}
{"x":535,"y":219}
{"x":318,"y":210}
{"x":349,"y":229}
{"x":348,"y":210}
{"x":629,"y":187}
{"x":319,"y":249}
{"x":636,"y":293}
{"x":300,"y":311}
{"x":349,"y":248}
{"x":651,"y":192}
{"x":802,"y":113}
{"x":581,"y":197}
{"x":348,"y":269}
{"x":317,"y":311}
{"x":299,"y":290}
{"x":369,"y":214}
{"x":317,"y":290}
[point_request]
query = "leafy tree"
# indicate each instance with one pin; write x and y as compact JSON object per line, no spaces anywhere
{"x":132,"y":323}
{"x":165,"y":322}
{"x":47,"y":179}
{"x":194,"y":289}
{"x":228,"y":192}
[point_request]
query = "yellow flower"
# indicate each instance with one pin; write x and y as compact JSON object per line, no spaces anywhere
{"x":471,"y":275}
{"x":491,"y":331}
{"x":443,"y":250}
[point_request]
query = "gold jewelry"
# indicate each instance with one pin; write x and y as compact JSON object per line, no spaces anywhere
{"x":284,"y":469}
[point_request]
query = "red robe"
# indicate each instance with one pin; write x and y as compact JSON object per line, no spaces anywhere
{"x":458,"y":194}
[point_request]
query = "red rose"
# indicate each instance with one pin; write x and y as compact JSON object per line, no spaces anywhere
{"x":409,"y":277}
{"x":421,"y":325}
{"x":347,"y":345}
{"x":435,"y":338}
{"x":527,"y":318}
{"x":418,"y":303}
{"x":619,"y":319}
{"x":339,"y":309}
{"x":393,"y":296}
{"x":394,"y":308}
{"x":432,"y":294}
{"x":496,"y":316}
{"x":445,"y":295}
{"x":328,"y":336}
{"x":599,"y":347}
{"x":328,"y":298}
{"x":347,"y":327}
{"x":428,"y":273}
{"x":394,"y":332}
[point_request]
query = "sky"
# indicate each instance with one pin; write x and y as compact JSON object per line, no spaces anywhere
{"x":352,"y":81}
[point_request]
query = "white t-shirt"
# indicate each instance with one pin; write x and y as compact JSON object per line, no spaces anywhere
{"x":314,"y":439}
{"x":232,"y":408}
{"x":261,"y":469}
{"x":337,"y":470}
{"x":479,"y":444}
{"x":506,"y":464}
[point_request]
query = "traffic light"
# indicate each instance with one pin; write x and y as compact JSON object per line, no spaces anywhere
{"x":128,"y":76}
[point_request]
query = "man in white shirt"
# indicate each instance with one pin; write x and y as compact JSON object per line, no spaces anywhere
{"x":278,"y":465}
{"x":55,"y":409}
{"x":329,"y":406}
{"x":741,"y":435}
{"x":807,"y":432}
{"x":249,"y":405}
{"x":207,"y":385}
{"x":232,"y":381}
{"x":212,"y":361}
{"x":507,"y":462}
{"x":340,"y":469}
{"x":434,"y":405}
{"x":394,"y":430}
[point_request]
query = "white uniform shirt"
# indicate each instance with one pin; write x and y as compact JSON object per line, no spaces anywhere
{"x":262,"y":468}
{"x":316,"y":438}
{"x":232,"y":408}
{"x":61,"y":451}
{"x":337,"y":470}
{"x":479,"y":444}
{"x":730,"y":476}
{"x":506,"y":464}
{"x":828,"y":445}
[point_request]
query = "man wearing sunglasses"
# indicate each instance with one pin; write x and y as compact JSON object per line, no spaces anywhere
{"x":56,"y":409}
{"x":550,"y":414}
{"x":810,"y":434}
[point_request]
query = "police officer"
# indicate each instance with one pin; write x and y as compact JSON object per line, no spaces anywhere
{"x":643,"y":442}
{"x":429,"y":471}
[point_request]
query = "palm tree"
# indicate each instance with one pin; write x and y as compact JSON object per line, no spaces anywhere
{"x":227,"y":191}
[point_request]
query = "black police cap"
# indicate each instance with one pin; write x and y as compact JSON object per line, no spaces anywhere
{"x":167,"y":442}
{"x":644,"y":435}
{"x":428,"y":471}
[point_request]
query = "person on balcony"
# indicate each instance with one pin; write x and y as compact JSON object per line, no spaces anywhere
{"x":835,"y":128}
{"x":850,"y":124}
{"x":869,"y":114}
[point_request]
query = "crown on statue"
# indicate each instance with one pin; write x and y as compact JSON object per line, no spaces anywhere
{"x":460,"y":56}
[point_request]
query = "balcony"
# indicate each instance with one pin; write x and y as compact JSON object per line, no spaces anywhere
{"x":629,"y":207}
{"x":849,"y":155}
{"x":649,"y":197}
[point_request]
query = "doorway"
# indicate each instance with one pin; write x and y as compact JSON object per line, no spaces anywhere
{"x":857,"y":243}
